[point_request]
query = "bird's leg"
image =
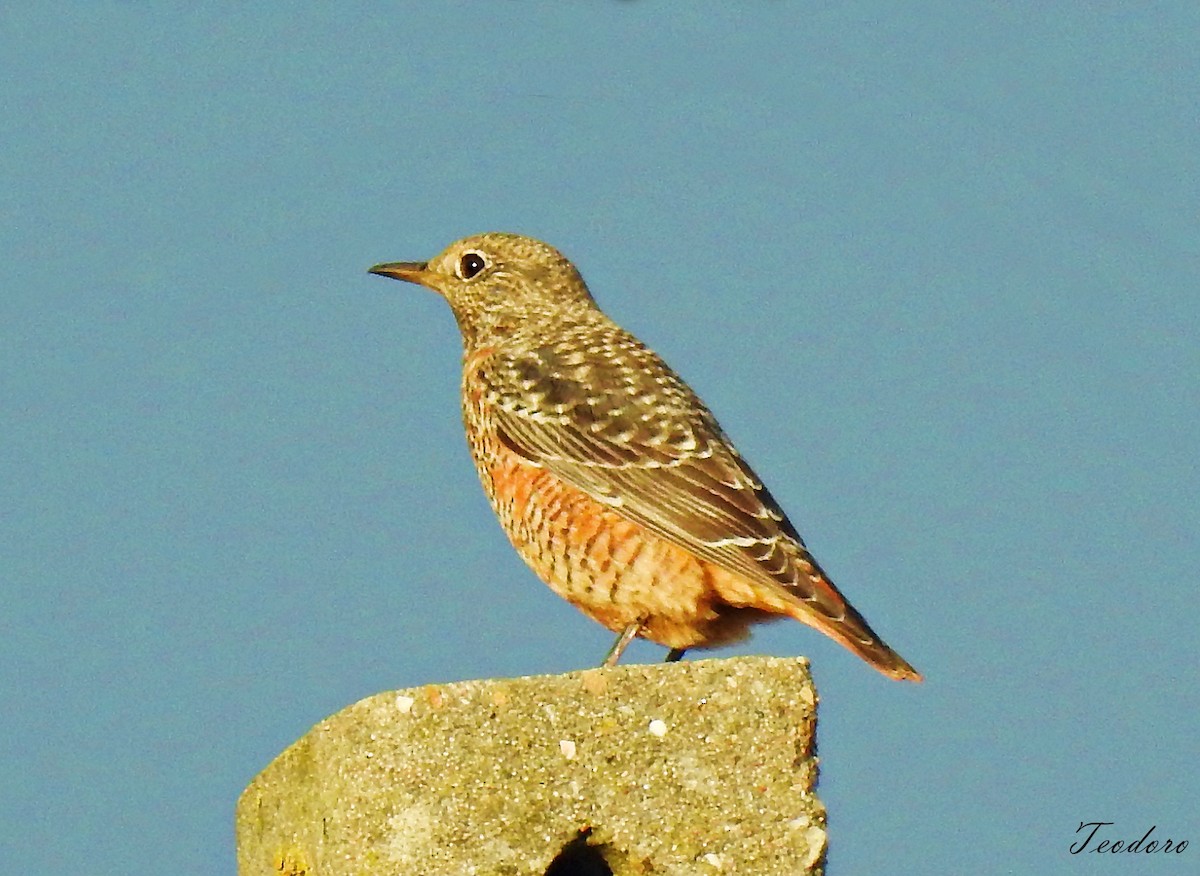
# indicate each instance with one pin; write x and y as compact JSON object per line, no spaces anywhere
{"x":627,"y":636}
{"x":675,"y":654}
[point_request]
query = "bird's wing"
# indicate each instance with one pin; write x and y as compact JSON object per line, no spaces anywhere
{"x":611,"y":419}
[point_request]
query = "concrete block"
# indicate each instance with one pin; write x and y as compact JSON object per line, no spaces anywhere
{"x":697,"y":767}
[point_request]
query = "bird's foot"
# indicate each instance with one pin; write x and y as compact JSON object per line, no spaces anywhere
{"x":627,"y":635}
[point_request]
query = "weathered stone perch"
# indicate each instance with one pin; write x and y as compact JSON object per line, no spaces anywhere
{"x":690,"y":768}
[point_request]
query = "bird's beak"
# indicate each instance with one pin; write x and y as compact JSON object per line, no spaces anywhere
{"x":410,"y":272}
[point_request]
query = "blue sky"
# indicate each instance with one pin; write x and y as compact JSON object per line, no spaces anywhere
{"x":935,"y":266}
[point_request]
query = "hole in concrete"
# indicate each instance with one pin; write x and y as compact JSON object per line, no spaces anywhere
{"x":577,"y":858}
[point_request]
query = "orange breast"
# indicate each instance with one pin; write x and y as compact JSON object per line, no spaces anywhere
{"x":613,"y":570}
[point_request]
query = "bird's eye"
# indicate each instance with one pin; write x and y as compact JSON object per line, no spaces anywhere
{"x":470,"y":264}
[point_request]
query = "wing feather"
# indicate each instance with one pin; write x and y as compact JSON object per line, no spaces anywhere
{"x":623,"y":428}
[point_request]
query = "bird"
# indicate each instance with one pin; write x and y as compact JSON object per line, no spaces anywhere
{"x":613,"y":481}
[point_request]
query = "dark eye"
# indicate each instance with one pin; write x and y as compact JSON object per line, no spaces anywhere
{"x":470,"y":264}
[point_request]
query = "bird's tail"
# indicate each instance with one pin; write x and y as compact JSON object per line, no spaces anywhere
{"x":821,"y":605}
{"x":851,"y":631}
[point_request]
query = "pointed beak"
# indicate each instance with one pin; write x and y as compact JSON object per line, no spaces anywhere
{"x":410,"y":272}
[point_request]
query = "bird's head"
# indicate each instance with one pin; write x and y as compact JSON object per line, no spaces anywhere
{"x":497,"y":282}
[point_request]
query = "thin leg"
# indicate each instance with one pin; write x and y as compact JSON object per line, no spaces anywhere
{"x":675,"y":654}
{"x":627,"y":636}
